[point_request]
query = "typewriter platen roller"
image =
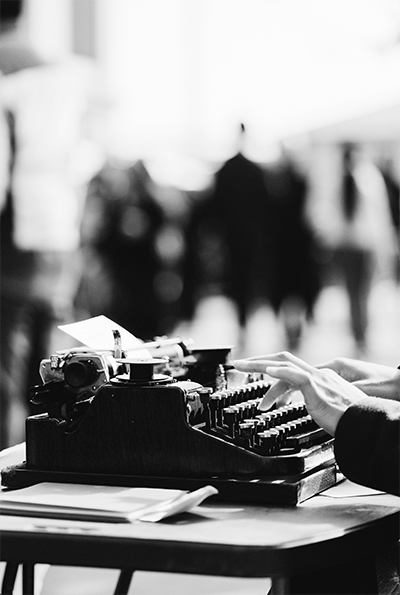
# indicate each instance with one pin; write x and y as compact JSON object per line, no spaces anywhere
{"x":142,"y":423}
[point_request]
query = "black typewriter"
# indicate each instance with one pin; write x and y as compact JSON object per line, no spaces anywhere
{"x":152,"y":423}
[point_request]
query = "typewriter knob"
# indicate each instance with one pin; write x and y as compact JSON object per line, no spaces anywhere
{"x":80,"y":373}
{"x":141,"y":371}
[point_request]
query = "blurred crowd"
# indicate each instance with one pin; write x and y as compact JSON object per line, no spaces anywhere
{"x":245,"y":236}
{"x":108,"y":238}
{"x":271,"y":233}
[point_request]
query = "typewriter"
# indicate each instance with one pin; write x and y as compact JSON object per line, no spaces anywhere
{"x":174,"y":421}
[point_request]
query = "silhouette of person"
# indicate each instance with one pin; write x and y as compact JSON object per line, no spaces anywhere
{"x":392,"y":184}
{"x":43,"y":108}
{"x":119,"y":232}
{"x":352,"y":218}
{"x":228,"y":237}
{"x":295,"y":280}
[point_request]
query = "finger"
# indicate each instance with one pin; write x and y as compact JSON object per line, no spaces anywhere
{"x":290,"y":379}
{"x":254,"y":364}
{"x":244,"y":365}
{"x":280,"y":391}
{"x":258,"y":366}
{"x":328,"y":364}
{"x":280,"y":356}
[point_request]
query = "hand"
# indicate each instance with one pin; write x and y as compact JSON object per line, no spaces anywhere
{"x":326,"y":394}
{"x":375,"y":380}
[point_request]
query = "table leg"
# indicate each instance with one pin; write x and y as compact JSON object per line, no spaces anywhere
{"x":366,"y":576}
{"x":124,"y":581}
{"x":280,"y":586}
{"x":10,"y":574}
{"x":28,"y":579}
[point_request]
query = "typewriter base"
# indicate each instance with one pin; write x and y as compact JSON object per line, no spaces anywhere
{"x":289,"y":491}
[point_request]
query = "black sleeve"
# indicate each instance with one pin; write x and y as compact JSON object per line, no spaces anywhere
{"x":367,"y":444}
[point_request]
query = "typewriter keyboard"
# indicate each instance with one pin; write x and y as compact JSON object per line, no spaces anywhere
{"x":233,"y":415}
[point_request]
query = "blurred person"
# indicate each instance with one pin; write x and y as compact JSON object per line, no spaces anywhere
{"x":170,"y":247}
{"x":43,"y":107}
{"x":351,"y":216}
{"x":121,"y":226}
{"x":392,"y":183}
{"x":295,"y":280}
{"x":356,"y":402}
{"x":168,"y":283}
{"x":228,"y":238}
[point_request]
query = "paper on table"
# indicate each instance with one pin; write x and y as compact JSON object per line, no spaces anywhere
{"x":182,"y":503}
{"x":98,"y":503}
{"x":97,"y":333}
{"x":349,"y":489}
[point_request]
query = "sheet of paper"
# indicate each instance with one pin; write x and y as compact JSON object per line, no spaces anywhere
{"x":93,"y":499}
{"x":182,"y":503}
{"x":97,"y":333}
{"x":348,"y":489}
{"x":98,"y":497}
{"x":99,"y":502}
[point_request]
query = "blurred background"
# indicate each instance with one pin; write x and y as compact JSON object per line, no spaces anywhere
{"x":239,"y":172}
{"x":175,"y":81}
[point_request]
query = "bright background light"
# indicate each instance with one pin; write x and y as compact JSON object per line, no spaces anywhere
{"x":183,"y":73}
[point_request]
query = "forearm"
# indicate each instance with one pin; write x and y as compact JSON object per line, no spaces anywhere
{"x":388,"y":388}
{"x":367,"y":443}
{"x":377,"y":380}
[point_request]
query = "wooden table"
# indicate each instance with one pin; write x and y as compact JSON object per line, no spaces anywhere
{"x":324,"y":545}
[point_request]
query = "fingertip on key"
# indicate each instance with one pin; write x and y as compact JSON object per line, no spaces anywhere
{"x":265,"y":404}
